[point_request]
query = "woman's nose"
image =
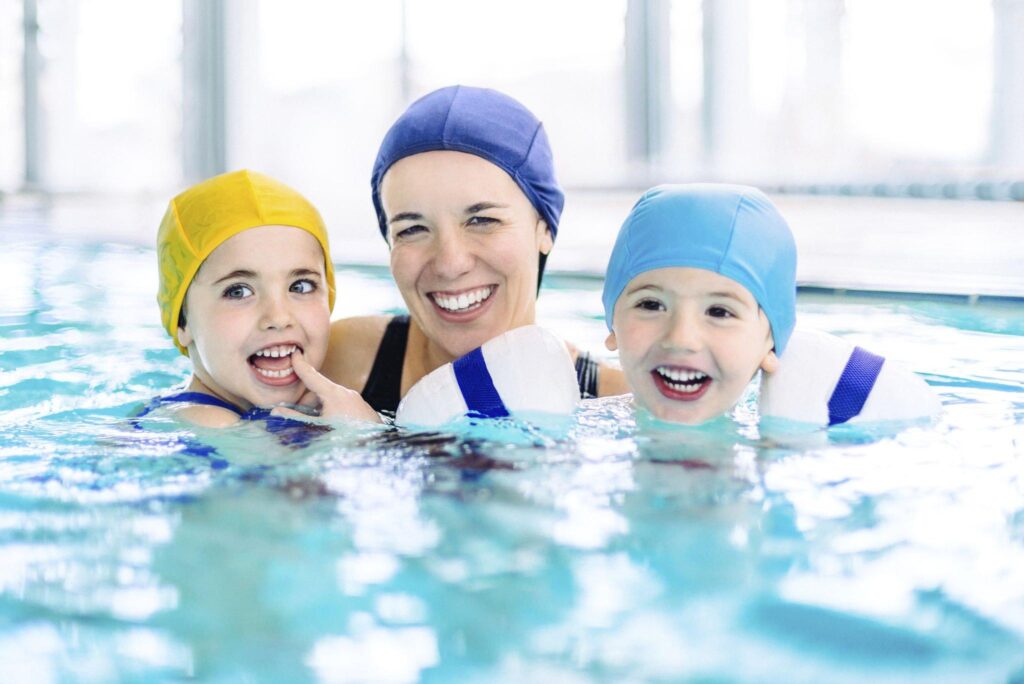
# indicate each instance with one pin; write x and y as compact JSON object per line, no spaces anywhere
{"x":453,"y":254}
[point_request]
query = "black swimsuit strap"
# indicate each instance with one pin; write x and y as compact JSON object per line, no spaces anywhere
{"x":586,"y":375}
{"x":383,"y":389}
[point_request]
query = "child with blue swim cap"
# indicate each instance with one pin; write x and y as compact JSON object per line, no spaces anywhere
{"x":700,"y":293}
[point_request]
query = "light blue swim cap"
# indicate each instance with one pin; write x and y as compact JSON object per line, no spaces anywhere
{"x":732,"y":230}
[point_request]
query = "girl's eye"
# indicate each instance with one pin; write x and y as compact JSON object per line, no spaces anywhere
{"x":650,"y":305}
{"x":406,"y":233}
{"x":238,"y":291}
{"x":303,"y":286}
{"x":719,"y":312}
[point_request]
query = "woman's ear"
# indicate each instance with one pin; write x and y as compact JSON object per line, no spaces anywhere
{"x":545,"y":241}
{"x":610,"y":342}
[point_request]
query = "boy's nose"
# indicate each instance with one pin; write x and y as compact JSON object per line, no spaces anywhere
{"x":684,"y":332}
{"x":453,"y":253}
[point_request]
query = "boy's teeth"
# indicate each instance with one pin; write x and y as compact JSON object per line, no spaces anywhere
{"x":679,"y":375}
{"x":464,"y":300}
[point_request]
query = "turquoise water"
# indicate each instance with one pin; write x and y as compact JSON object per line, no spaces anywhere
{"x":591,"y":551}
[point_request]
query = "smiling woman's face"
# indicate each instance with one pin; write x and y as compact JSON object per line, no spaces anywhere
{"x":465,"y":243}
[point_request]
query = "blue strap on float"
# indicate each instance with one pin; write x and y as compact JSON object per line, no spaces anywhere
{"x":854,"y":386}
{"x":477,"y":387}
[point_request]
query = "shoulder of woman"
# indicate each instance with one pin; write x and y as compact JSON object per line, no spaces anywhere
{"x":611,"y":381}
{"x":353,"y":348}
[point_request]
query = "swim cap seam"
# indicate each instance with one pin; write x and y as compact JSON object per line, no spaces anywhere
{"x":448,"y":115}
{"x":732,"y":234}
{"x":255,"y":199}
{"x":529,"y":148}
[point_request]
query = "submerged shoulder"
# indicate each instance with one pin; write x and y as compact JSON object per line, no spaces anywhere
{"x":352,"y":349}
{"x":206,"y":416}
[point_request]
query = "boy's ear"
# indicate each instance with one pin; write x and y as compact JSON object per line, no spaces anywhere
{"x":610,"y":342}
{"x":547,"y":242}
{"x":770,"y":362}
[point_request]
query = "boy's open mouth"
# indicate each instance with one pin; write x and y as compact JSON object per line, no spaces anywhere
{"x":681,"y":383}
{"x":273,"y":364}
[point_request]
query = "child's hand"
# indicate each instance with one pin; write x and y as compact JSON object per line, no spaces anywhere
{"x":334,"y":400}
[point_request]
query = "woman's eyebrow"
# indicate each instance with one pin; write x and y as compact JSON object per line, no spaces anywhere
{"x":406,"y":216}
{"x":484,"y":206}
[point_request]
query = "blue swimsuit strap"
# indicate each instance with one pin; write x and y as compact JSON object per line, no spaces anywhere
{"x":197,"y":398}
{"x":477,"y":387}
{"x":854,"y":386}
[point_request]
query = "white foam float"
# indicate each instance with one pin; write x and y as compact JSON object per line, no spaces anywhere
{"x":825,"y":380}
{"x":525,"y":369}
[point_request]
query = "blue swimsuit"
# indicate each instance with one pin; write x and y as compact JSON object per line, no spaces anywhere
{"x":290,"y":432}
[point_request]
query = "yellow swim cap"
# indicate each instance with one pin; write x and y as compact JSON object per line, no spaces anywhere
{"x":201,"y":218}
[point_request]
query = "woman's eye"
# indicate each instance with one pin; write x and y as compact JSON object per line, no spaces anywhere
{"x":650,"y":305}
{"x":481,"y":221}
{"x":303,"y":286}
{"x":719,"y":312}
{"x":409,"y":232}
{"x":238,"y":292}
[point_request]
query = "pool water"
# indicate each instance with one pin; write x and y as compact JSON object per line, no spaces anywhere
{"x":591,"y":550}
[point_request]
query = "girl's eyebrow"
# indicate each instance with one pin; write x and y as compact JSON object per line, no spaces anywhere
{"x":304,"y":272}
{"x":728,"y":295}
{"x":241,"y":273}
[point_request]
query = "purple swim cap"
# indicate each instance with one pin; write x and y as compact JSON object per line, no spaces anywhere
{"x":477,"y":121}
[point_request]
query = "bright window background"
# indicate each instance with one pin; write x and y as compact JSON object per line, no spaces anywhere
{"x":110,"y":94}
{"x":895,"y":91}
{"x":11,"y":137}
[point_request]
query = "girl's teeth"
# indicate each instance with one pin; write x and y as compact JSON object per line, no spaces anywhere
{"x":277,"y":352}
{"x":682,"y":375}
{"x":284,"y":372}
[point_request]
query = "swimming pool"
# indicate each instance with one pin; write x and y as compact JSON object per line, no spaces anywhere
{"x":590,"y":552}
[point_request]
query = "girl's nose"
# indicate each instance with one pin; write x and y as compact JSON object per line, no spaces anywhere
{"x":276,"y":314}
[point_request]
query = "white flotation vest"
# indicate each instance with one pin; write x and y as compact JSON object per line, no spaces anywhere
{"x":525,"y":369}
{"x":825,"y":380}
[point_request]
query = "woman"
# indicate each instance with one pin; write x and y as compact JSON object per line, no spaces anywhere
{"x":467,"y":200}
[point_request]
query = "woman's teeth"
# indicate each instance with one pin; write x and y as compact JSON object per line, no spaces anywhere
{"x":682,"y":380}
{"x":277,"y":352}
{"x":464,"y":301}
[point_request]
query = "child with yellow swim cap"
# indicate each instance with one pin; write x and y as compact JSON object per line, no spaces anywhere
{"x":246,"y":292}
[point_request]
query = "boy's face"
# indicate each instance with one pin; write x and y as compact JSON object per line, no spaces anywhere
{"x":258,"y":296}
{"x":689,"y":341}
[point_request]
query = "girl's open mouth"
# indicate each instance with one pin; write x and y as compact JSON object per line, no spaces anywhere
{"x":273,"y":365}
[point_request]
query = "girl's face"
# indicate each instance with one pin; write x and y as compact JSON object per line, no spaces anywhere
{"x":689,"y":341}
{"x":260,"y":295}
{"x":465,"y":244}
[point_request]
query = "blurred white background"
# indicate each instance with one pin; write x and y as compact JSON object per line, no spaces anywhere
{"x":129,"y":100}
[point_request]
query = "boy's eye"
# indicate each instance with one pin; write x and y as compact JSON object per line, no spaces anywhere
{"x":719,"y":312}
{"x":303,"y":286}
{"x":238,"y":291}
{"x":650,"y":305}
